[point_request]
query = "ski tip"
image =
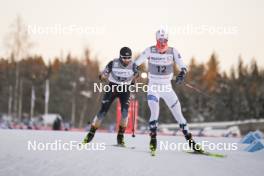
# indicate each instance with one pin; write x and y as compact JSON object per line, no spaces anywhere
{"x":216,"y":155}
{"x":123,"y":146}
{"x":119,"y":145}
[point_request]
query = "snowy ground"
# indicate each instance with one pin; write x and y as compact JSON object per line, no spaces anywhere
{"x":15,"y":159}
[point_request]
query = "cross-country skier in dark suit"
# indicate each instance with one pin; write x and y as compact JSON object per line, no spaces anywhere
{"x":119,"y":72}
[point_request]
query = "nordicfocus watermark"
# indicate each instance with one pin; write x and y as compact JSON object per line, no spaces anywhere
{"x":59,"y":145}
{"x":202,"y":29}
{"x":59,"y":29}
{"x":204,"y":145}
{"x":99,"y":87}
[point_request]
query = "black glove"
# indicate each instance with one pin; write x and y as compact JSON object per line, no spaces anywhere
{"x":102,"y":77}
{"x":135,"y":69}
{"x":181,"y":76}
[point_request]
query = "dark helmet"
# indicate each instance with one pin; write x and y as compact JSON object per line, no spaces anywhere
{"x":125,"y":56}
{"x":125,"y":53}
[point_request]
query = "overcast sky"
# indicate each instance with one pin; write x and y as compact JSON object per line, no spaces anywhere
{"x":196,"y":28}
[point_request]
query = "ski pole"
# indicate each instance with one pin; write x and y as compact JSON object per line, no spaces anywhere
{"x":133,"y":115}
{"x":201,"y":92}
{"x":196,"y":89}
{"x":96,"y":102}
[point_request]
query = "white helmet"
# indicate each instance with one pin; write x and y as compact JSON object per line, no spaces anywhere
{"x":161,"y":34}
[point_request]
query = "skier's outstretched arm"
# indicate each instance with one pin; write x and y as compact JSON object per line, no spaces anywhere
{"x":143,"y":57}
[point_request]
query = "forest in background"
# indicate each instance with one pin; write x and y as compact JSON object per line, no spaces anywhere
{"x":235,"y":94}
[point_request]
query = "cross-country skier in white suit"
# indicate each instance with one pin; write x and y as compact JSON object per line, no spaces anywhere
{"x":161,"y":59}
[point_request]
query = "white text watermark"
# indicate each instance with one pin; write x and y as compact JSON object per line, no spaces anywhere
{"x":59,"y":145}
{"x":60,"y":30}
{"x":99,"y":87}
{"x":204,"y":145}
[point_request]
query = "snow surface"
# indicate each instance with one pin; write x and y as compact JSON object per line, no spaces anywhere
{"x":15,"y":159}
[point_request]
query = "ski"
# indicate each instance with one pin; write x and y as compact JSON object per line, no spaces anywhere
{"x":123,"y":146}
{"x":215,"y":155}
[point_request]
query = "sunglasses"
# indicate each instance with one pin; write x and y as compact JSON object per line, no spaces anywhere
{"x":162,"y":40}
{"x":125,"y":57}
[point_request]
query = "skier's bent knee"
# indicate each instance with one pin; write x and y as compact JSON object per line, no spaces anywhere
{"x":152,"y":98}
{"x":124,"y":112}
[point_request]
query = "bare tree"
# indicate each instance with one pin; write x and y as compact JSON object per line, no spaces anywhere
{"x":18,"y":43}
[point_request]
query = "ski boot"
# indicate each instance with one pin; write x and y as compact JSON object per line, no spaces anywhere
{"x":153,"y":143}
{"x":192,"y":144}
{"x":120,"y":136}
{"x":153,"y":137}
{"x":88,"y":138}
